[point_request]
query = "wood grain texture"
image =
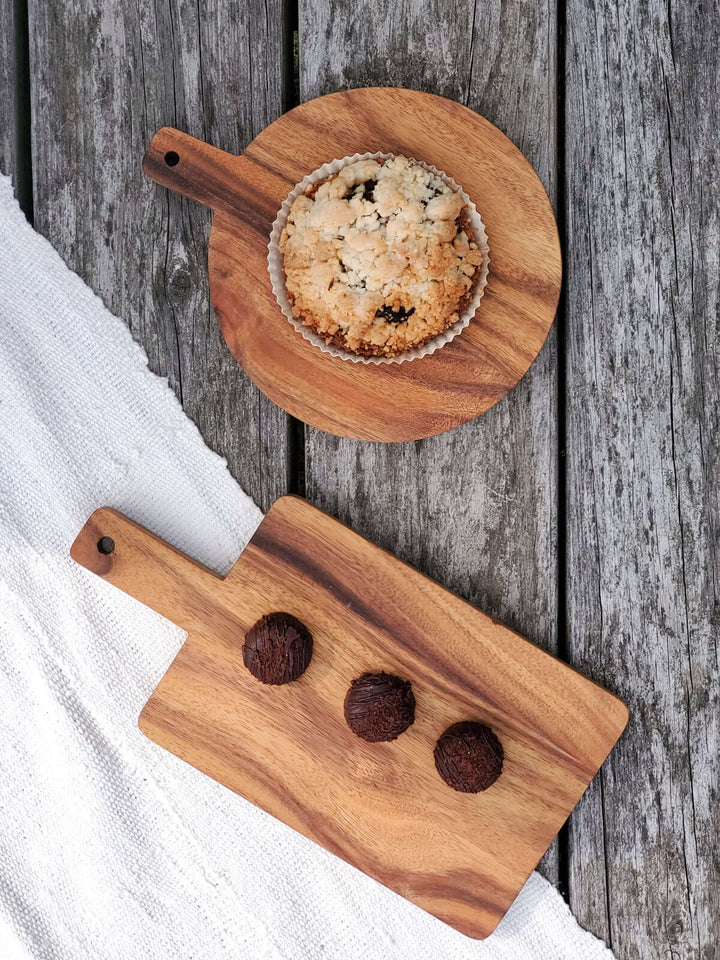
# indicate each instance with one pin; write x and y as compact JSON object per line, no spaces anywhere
{"x":382,"y":807}
{"x":7,"y":87}
{"x":105,"y":76}
{"x":475,"y":508}
{"x":643,"y":215}
{"x":387,"y":402}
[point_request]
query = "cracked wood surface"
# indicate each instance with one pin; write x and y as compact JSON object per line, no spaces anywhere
{"x":7,"y":87}
{"x":643,"y":222}
{"x":105,"y":77}
{"x":636,"y":183}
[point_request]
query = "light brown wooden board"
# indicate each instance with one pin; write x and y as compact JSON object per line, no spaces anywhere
{"x":382,"y":807}
{"x":367,"y":401}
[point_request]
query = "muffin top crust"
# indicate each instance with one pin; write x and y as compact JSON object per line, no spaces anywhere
{"x":380,"y":257}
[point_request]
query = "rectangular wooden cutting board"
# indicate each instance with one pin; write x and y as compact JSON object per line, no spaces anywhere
{"x":382,"y":807}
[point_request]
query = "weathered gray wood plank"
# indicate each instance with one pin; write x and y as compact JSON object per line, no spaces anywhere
{"x":105,"y":76}
{"x":476,"y":508}
{"x":643,"y":416}
{"x":7,"y":87}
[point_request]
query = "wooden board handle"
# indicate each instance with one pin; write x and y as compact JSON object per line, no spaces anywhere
{"x":237,"y":185}
{"x":193,"y":168}
{"x":145,"y":567}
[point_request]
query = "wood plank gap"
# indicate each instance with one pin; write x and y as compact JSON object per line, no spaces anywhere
{"x":563,"y":842}
{"x":291,"y":98}
{"x":296,"y":457}
{"x":23,"y":153}
{"x":291,"y":54}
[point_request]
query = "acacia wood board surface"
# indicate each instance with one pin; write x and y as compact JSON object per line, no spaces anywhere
{"x":382,"y":807}
{"x":388,"y":402}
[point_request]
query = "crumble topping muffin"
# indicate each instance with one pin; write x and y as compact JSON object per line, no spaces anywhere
{"x":380,"y":257}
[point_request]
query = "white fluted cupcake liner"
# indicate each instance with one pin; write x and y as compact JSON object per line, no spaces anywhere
{"x":277,"y":272}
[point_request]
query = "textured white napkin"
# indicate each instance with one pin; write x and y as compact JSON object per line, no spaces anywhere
{"x":110,"y":847}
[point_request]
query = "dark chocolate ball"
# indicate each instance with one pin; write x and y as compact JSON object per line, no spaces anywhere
{"x":278,"y":648}
{"x":469,"y":757}
{"x":379,"y":706}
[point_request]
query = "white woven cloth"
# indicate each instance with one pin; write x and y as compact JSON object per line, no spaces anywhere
{"x":110,"y":847}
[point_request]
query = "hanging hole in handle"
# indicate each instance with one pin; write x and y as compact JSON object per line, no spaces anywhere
{"x":105,"y":545}
{"x":172,"y":159}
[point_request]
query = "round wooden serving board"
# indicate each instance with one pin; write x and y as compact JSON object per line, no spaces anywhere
{"x":389,"y":402}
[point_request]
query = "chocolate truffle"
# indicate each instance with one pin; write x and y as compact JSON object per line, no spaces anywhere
{"x":469,"y":757}
{"x":379,"y":706}
{"x":278,"y":648}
